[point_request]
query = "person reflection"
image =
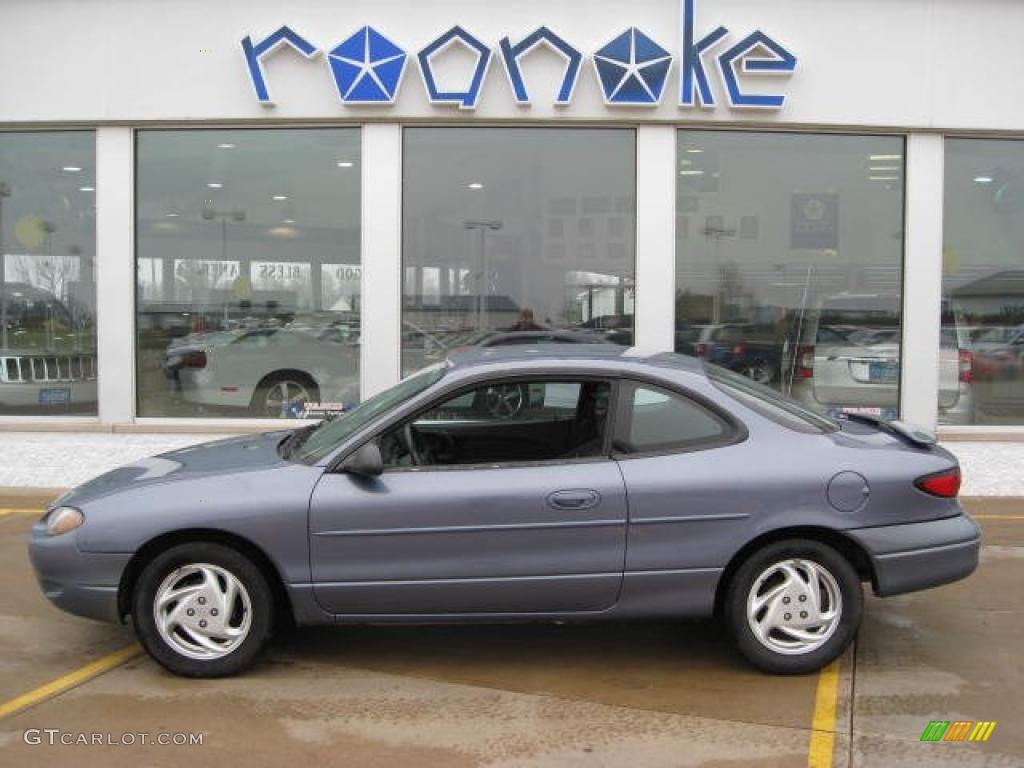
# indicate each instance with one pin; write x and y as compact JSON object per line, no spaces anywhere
{"x":525,"y":322}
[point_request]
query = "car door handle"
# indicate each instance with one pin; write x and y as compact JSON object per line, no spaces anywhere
{"x":581,"y":498}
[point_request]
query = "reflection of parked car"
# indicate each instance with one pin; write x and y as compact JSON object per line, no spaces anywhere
{"x":617,"y":329}
{"x":746,"y":348}
{"x":40,"y":365}
{"x":267,"y":370}
{"x":999,"y":353}
{"x":504,"y":485}
{"x":522,"y":338}
{"x":999,"y":373}
{"x":848,"y":359}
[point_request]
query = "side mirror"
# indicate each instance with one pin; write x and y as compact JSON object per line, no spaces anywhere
{"x":366,"y":461}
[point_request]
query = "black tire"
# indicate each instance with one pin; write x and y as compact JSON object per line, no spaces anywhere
{"x":230,"y":560}
{"x":258,"y":406}
{"x":743,"y":581}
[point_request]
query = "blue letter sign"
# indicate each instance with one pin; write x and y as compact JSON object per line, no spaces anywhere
{"x":512,"y":53}
{"x":253,"y":54}
{"x":631,"y":69}
{"x":464,"y":99}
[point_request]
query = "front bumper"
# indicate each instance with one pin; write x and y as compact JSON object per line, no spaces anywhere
{"x":916,"y":556}
{"x":82,"y":583}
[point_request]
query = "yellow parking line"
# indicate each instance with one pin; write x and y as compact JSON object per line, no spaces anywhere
{"x":823,"y":726}
{"x":68,"y":681}
{"x":998,"y":517}
{"x":20,"y":511}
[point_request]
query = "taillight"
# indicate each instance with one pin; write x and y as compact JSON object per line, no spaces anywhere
{"x":945,"y":484}
{"x":739,"y":350}
{"x":966,"y":367}
{"x":700,"y":350}
{"x":194,"y":359}
{"x":805,"y":361}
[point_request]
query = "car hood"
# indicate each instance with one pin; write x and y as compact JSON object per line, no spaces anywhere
{"x":220,"y":457}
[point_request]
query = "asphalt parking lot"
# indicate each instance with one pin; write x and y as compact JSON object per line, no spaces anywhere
{"x":583,"y":695}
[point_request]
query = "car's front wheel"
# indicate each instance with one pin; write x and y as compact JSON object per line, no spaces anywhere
{"x":202,"y":610}
{"x":794,"y":606}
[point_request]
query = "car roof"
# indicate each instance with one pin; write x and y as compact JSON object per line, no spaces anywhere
{"x":582,"y":355}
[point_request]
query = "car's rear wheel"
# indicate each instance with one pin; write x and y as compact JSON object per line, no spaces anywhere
{"x":277,"y":393}
{"x":202,"y":610}
{"x":794,"y":606}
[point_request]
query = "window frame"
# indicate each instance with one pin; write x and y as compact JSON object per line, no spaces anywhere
{"x":571,"y":377}
{"x":735,"y":431}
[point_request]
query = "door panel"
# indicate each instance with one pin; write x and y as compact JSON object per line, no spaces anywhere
{"x":474,"y":540}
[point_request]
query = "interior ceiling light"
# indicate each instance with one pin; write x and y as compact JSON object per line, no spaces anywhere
{"x":475,"y":185}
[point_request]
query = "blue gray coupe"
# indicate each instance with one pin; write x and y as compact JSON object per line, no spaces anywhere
{"x":519,"y":484}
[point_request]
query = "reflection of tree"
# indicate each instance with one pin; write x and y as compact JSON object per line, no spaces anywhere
{"x":48,"y":274}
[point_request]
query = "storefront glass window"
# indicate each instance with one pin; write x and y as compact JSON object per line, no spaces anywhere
{"x":47,"y":273}
{"x":248,"y":272}
{"x":516,"y":235}
{"x":789,"y":256}
{"x":983,"y":279}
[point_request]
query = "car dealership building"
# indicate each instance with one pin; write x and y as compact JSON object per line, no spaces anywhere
{"x":217,"y":213}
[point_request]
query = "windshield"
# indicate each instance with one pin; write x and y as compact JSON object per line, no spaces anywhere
{"x":328,"y":434}
{"x":768,"y":402}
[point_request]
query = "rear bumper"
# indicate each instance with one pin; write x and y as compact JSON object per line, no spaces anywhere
{"x":917,"y":556}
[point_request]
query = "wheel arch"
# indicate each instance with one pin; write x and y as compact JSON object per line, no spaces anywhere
{"x":844,"y":545}
{"x":283,"y":609}
{"x":285,"y":372}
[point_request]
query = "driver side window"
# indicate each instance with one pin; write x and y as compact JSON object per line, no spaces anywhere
{"x":505,"y":422}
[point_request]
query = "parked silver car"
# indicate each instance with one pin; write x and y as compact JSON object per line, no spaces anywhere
{"x":848,"y":359}
{"x":519,"y":484}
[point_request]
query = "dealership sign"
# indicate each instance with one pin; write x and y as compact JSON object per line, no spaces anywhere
{"x":632,"y":68}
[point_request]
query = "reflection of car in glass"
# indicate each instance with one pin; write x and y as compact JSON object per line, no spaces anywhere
{"x":746,"y":348}
{"x":617,"y":329}
{"x":493,"y":487}
{"x":848,"y":358}
{"x":270,"y":371}
{"x":998,"y":356}
{"x":999,"y":353}
{"x":521,"y":338}
{"x":44,"y":363}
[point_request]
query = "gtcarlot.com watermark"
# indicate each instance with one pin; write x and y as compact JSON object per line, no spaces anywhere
{"x":55,"y":736}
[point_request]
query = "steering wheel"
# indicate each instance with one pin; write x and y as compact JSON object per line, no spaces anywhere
{"x":409,"y":438}
{"x":504,"y":401}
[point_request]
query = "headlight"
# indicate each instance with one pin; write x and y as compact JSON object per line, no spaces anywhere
{"x":63,"y":519}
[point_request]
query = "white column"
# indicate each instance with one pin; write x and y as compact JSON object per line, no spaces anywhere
{"x":380,"y":334}
{"x":922,"y":280}
{"x":115,"y":274}
{"x":655,"y":237}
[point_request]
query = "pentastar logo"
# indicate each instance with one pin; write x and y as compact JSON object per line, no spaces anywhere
{"x":632,"y":69}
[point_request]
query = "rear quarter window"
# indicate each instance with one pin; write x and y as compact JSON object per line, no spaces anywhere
{"x":656,"y":420}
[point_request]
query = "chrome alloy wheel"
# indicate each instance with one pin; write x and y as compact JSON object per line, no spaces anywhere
{"x":794,"y":607}
{"x":202,"y":611}
{"x":281,"y":394}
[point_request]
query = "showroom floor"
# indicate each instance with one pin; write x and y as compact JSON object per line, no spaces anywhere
{"x":584,"y":695}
